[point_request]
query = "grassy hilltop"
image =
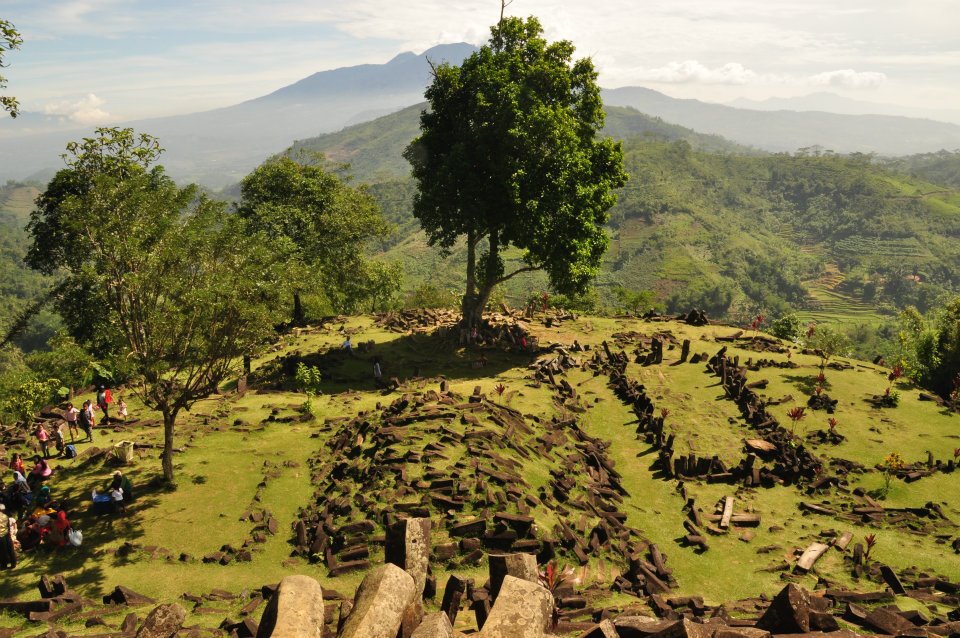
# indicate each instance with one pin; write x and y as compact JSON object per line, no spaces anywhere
{"x":259,"y":460}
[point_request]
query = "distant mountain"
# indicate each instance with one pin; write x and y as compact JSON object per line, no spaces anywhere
{"x":374,"y":149}
{"x":219,"y":147}
{"x":780,"y":131}
{"x":833,"y":103}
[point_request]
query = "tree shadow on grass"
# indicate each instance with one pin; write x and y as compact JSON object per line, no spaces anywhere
{"x":414,"y":355}
{"x":806,"y":383}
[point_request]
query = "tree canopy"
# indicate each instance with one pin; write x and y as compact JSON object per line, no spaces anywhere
{"x":325,"y":223}
{"x":183,"y":287}
{"x":9,"y":40}
{"x":509,"y":156}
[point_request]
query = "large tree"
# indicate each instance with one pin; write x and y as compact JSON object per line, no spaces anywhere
{"x":9,"y":40}
{"x":326,"y":223}
{"x":509,"y":155}
{"x":184,"y":288}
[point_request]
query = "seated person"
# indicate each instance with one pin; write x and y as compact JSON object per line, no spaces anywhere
{"x":30,"y":534}
{"x":58,"y":528}
{"x":40,"y":472}
{"x":43,"y":496}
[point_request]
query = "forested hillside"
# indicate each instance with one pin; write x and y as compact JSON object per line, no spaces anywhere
{"x":705,"y":222}
{"x":20,"y":286}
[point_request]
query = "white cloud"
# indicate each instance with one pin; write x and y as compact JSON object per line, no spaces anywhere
{"x":849,"y":79}
{"x":693,"y":71}
{"x":85,"y":111}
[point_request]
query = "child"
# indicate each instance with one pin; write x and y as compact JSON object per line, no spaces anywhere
{"x":44,"y":438}
{"x":122,"y":409}
{"x":58,"y":437}
{"x":70,"y":416}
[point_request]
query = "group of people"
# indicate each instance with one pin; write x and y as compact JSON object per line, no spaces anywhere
{"x":30,"y":516}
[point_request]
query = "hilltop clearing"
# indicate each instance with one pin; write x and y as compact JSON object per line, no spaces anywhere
{"x":584,"y":444}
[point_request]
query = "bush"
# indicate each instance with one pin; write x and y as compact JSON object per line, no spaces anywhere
{"x":308,"y":378}
{"x":788,"y":327}
{"x":430,"y":296}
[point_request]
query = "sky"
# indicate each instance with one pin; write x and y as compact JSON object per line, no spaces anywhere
{"x":97,"y":61}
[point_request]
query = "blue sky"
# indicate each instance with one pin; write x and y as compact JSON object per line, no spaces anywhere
{"x":111,"y":60}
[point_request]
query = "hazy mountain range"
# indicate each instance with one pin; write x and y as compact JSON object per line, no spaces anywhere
{"x":218,"y":147}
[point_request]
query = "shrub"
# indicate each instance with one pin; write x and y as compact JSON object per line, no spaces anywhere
{"x":787,"y":327}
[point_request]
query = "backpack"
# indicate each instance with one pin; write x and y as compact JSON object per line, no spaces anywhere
{"x":69,"y":452}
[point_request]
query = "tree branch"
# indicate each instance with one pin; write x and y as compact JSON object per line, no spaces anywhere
{"x":515,"y":273}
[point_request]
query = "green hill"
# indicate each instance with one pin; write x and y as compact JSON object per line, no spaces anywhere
{"x":20,"y":286}
{"x":706,"y":222}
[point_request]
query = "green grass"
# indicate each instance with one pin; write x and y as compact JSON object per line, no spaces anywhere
{"x":205,"y":513}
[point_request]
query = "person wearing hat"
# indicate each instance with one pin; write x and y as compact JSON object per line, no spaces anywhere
{"x":8,"y":555}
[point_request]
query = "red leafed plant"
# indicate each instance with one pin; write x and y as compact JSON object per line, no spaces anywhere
{"x":832,"y":423}
{"x":796,"y":415}
{"x":664,"y":413}
{"x":956,"y":452}
{"x":811,"y":330}
{"x":500,"y":389}
{"x":871,"y":541}
{"x":821,"y":381}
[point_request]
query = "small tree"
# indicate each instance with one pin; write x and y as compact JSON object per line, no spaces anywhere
{"x":828,"y":343}
{"x":9,"y":40}
{"x":187,"y":287}
{"x":508,"y":156}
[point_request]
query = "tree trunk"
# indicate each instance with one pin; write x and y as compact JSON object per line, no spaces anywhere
{"x":298,"y":316}
{"x":169,"y":420}
{"x":470,"y":315}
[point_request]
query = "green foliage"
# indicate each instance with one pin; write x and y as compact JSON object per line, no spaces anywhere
{"x":829,"y":342}
{"x":66,"y":360}
{"x":509,"y":156}
{"x":185,"y":287}
{"x":586,"y":301}
{"x":324,"y":224}
{"x":788,"y":327}
{"x":637,"y":302}
{"x":308,"y":378}
{"x":30,"y":396}
{"x":712,"y":298}
{"x":9,"y":40}
{"x":427,"y":295}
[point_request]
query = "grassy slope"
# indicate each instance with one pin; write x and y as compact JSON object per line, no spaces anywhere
{"x":224,"y":462}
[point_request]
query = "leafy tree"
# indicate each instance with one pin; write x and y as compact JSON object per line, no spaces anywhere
{"x":508,"y":155}
{"x":186,"y":287}
{"x":9,"y":40}
{"x":941,"y":355}
{"x":326,"y":223}
{"x":828,"y":342}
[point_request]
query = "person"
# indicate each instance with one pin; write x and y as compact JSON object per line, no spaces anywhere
{"x":19,"y":494}
{"x":16,"y":464}
{"x":40,"y":472}
{"x":348,"y":345}
{"x":43,"y":437}
{"x":8,"y":554}
{"x":43,"y":496}
{"x":122,"y":409}
{"x":86,"y":420}
{"x":58,"y":437}
{"x":70,"y":416}
{"x":58,"y":529}
{"x":377,"y":373}
{"x":103,"y":402}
